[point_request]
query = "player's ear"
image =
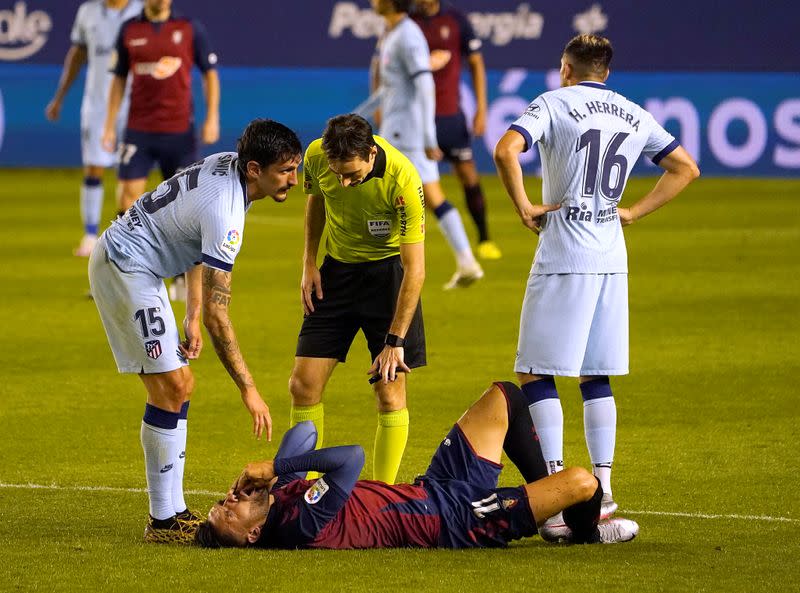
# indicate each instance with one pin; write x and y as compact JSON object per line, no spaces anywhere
{"x":253,"y":169}
{"x":605,"y":76}
{"x":254,"y":534}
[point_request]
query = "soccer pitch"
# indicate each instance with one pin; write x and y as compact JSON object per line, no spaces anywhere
{"x":706,"y":456}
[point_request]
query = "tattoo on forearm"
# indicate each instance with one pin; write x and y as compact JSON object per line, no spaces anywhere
{"x":217,"y":292}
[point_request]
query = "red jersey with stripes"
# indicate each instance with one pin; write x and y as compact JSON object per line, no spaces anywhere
{"x":374,"y":515}
{"x":160,"y":56}
{"x":451,"y":31}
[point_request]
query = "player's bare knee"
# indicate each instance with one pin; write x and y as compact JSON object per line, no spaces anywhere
{"x":390,"y":398}
{"x":303,"y":392}
{"x":582,"y":482}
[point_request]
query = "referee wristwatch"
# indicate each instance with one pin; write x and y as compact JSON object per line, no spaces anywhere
{"x":394,"y":341}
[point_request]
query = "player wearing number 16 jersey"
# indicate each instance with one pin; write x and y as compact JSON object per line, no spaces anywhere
{"x":574,"y":318}
{"x":193,"y":223}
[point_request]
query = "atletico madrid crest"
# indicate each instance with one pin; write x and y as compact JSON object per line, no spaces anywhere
{"x":153,"y":348}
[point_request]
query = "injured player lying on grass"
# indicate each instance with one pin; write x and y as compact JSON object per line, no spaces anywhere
{"x":455,"y":504}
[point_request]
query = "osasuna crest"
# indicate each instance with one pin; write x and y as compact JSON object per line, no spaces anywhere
{"x":314,"y":494}
{"x":445,"y":32}
{"x":153,"y":348}
{"x":177,"y":37}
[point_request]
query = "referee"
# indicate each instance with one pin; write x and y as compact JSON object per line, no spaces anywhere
{"x":370,"y":198}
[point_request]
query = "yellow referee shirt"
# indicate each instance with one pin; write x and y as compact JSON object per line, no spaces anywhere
{"x":368,"y":222}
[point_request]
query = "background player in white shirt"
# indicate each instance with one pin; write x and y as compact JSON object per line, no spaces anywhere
{"x":574,"y":318}
{"x":405,"y":92}
{"x":93,"y":35}
{"x":193,"y":223}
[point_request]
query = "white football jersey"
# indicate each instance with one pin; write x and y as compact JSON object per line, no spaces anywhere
{"x":96,"y":27}
{"x":589,"y":140}
{"x":407,"y":119}
{"x":195,"y":216}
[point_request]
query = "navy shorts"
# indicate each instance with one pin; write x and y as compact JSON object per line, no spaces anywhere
{"x":474,"y":512}
{"x":454,"y":137}
{"x":358,"y":296}
{"x":140,"y":151}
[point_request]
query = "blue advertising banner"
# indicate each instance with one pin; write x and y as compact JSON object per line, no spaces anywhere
{"x":733,"y":123}
{"x":679,"y":35}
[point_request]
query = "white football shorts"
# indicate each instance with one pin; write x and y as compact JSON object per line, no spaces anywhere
{"x":574,"y":325}
{"x":428,"y":169}
{"x":136,"y":315}
{"x":92,"y":151}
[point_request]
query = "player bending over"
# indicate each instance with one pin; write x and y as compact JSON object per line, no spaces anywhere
{"x":455,"y":504}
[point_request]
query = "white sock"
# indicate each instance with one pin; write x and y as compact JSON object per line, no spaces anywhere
{"x":91,"y":207}
{"x":160,"y":447}
{"x":178,"y":502}
{"x":548,"y":420}
{"x":600,"y":428}
{"x":453,"y":230}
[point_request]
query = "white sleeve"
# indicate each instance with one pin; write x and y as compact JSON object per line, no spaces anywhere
{"x":534,"y":123}
{"x":78,"y":34}
{"x":659,"y":142}
{"x":222,"y":239}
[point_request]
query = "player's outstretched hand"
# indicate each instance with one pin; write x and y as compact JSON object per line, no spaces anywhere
{"x":388,"y":363}
{"x":255,"y":475}
{"x":533,"y":216}
{"x":193,"y":344}
{"x":311,"y":282}
{"x":259,"y":410}
{"x":53,"y":110}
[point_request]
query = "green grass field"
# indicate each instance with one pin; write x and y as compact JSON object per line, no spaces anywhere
{"x":707,"y":454}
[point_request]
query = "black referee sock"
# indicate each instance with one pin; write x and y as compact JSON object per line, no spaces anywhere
{"x":582,"y":518}
{"x":522,"y":443}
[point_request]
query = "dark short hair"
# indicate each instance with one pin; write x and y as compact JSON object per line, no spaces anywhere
{"x":208,"y":537}
{"x":266,"y":142}
{"x":346,"y":137}
{"x":591,"y":53}
{"x":401,"y":5}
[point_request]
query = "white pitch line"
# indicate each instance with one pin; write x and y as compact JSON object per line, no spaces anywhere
{"x":96,"y":489}
{"x":212,"y":493}
{"x":707,"y":516}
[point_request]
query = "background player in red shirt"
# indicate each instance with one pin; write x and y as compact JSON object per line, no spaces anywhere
{"x":452,"y":40}
{"x":158,"y":48}
{"x":455,"y":504}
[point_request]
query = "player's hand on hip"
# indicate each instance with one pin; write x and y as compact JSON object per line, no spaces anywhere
{"x":311,"y":283}
{"x":193,"y":344}
{"x":109,"y":140}
{"x":259,"y":410}
{"x":388,"y":363}
{"x":53,"y":110}
{"x":625,"y":216}
{"x":534,"y":217}
{"x":479,"y":123}
{"x":210,"y":132}
{"x":434,"y":153}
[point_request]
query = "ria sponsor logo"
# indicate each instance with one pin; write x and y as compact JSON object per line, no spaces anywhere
{"x":22,"y":34}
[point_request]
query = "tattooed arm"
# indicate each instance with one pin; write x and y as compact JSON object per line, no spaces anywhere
{"x":216,"y":298}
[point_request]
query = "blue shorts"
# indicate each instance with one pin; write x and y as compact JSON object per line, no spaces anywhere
{"x":453,"y":137}
{"x":474,"y":512}
{"x":139,"y":151}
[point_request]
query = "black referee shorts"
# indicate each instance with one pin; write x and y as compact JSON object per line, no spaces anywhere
{"x":358,"y":296}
